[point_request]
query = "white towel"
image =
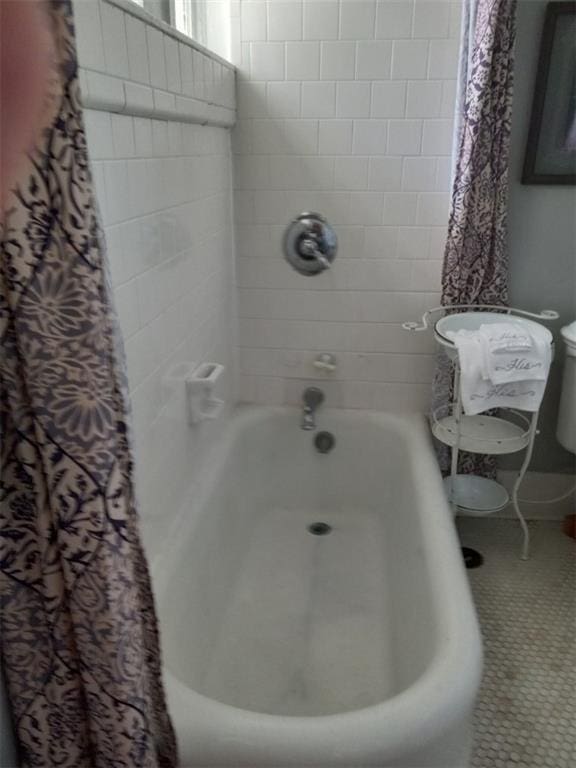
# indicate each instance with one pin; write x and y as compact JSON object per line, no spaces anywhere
{"x":506,"y":337}
{"x":513,"y":354}
{"x":515,"y":387}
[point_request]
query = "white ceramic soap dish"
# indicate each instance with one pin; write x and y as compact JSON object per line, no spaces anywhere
{"x":200,"y":393}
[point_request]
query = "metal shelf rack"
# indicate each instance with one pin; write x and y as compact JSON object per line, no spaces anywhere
{"x":509,"y":432}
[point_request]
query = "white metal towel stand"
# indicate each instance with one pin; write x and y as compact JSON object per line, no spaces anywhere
{"x":483,"y":434}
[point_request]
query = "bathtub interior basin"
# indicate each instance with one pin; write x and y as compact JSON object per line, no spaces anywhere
{"x":306,"y":625}
{"x":302,"y":589}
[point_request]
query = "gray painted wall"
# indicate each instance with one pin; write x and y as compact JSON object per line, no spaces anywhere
{"x":542,"y":227}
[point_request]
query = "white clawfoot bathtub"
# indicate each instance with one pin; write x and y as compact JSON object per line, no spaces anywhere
{"x":284,"y":648}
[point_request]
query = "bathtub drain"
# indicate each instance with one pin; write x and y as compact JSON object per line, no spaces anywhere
{"x":319,"y":529}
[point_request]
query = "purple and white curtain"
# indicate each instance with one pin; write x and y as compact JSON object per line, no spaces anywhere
{"x":475,"y":267}
{"x":78,"y":637}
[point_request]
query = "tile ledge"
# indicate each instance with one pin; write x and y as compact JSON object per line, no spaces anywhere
{"x":109,"y":94}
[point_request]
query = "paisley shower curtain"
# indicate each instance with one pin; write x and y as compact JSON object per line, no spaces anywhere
{"x":475,"y":267}
{"x":79,"y":637}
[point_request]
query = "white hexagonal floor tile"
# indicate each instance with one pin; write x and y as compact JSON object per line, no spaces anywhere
{"x":526,"y":713}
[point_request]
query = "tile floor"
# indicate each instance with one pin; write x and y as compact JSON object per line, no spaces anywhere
{"x":526,"y":714}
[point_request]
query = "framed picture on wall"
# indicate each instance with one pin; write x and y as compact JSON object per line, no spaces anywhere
{"x":551,"y":149}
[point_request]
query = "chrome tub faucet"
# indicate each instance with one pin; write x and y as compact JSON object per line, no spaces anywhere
{"x":312,"y":398}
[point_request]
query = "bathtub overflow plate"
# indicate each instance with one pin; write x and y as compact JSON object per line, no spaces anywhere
{"x":324,"y":442}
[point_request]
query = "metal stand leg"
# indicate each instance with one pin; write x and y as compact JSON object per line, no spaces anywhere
{"x":457,"y":403}
{"x":517,"y":483}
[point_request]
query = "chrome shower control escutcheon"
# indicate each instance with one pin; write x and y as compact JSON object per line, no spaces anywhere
{"x":310,"y":244}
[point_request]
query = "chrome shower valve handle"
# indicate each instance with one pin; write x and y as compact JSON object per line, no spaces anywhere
{"x":310,"y":244}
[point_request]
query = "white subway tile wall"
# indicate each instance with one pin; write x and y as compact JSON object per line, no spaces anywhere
{"x":345,"y":108}
{"x":164,"y":193}
{"x":164,"y":188}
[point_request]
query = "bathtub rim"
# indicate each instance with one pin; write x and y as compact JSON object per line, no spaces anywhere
{"x":443,"y":693}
